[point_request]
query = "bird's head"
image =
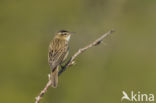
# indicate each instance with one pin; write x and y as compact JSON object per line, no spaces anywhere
{"x":63,"y":35}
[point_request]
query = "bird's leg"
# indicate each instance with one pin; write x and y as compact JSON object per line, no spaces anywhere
{"x":63,"y":63}
{"x":62,"y":66}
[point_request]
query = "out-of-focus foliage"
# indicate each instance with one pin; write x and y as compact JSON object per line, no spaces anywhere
{"x":126,"y":62}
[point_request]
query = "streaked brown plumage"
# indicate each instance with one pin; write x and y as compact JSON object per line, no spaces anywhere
{"x":58,"y":52}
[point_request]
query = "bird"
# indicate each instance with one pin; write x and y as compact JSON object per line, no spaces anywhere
{"x":57,"y":54}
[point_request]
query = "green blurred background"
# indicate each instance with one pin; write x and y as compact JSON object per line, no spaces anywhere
{"x":126,"y":62}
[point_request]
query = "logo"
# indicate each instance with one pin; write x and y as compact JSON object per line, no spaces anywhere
{"x":138,"y":96}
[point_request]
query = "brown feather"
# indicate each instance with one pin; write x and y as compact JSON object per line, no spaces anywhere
{"x":58,"y":51}
{"x":54,"y":77}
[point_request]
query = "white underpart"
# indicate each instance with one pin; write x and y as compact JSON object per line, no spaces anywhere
{"x":68,"y":38}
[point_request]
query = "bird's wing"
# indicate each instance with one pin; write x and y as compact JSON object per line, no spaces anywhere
{"x":56,"y":57}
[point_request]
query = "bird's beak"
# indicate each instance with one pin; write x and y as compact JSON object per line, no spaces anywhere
{"x":71,"y":33}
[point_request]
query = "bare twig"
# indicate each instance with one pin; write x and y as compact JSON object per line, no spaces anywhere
{"x":71,"y":62}
{"x":38,"y":98}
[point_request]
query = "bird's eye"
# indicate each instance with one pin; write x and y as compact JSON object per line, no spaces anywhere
{"x":64,"y":33}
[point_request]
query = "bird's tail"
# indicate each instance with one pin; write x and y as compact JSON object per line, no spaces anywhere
{"x":54,"y":77}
